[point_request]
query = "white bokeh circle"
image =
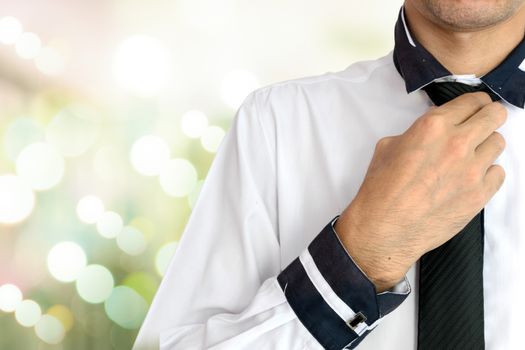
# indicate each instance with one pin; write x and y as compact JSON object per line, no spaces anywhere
{"x":17,"y":199}
{"x":178,"y":177}
{"x":10,"y":297}
{"x":28,"y":313}
{"x":109,"y":224}
{"x":89,"y":209}
{"x":65,"y":261}
{"x":193,"y":123}
{"x":40,"y":165}
{"x":148,"y":154}
{"x":95,"y":284}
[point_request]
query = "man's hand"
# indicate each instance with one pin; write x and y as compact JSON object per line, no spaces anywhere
{"x":423,"y":186}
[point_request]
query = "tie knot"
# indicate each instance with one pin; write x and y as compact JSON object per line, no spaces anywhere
{"x":443,"y":92}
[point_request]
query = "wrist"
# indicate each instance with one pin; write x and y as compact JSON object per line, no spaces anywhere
{"x":383,"y":268}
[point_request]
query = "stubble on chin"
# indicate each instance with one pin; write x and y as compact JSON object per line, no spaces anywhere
{"x":469,"y":14}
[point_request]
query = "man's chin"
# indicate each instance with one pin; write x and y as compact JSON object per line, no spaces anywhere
{"x":468,"y":15}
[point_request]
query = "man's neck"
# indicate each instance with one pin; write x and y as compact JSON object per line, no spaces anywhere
{"x":474,"y":52}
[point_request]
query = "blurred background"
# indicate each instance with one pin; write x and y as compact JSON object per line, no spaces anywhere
{"x":110,"y":115}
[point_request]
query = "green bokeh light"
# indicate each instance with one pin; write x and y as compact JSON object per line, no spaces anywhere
{"x":50,"y":329}
{"x":73,"y":130}
{"x":20,"y":133}
{"x":126,"y":307}
{"x":144,"y":284}
{"x":131,"y":241}
{"x":94,"y":284}
{"x":178,"y":177}
{"x":163,"y":257}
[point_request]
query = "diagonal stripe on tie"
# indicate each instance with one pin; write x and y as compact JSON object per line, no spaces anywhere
{"x":451,"y":314}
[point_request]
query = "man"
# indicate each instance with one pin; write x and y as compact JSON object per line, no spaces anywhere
{"x":422,"y":243}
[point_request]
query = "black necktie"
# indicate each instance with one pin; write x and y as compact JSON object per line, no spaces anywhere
{"x":451,"y":276}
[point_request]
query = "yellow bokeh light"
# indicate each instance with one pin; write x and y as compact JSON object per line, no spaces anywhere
{"x":143,"y":283}
{"x":63,"y":314}
{"x":144,"y":224}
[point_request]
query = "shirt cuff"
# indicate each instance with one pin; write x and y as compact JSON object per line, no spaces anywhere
{"x":332,"y":297}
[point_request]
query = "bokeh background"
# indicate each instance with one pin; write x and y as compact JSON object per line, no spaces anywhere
{"x":111,"y":112}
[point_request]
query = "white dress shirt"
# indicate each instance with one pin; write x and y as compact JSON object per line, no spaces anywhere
{"x":293,"y":159}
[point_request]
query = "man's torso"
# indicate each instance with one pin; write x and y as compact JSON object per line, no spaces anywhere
{"x":324,"y":130}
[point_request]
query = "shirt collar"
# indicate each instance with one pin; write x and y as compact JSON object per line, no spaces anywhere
{"x":419,"y":68}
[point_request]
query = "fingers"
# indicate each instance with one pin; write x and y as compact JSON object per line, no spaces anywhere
{"x":490,"y":149}
{"x":493,"y":180}
{"x":483,"y":123}
{"x":463,"y":107}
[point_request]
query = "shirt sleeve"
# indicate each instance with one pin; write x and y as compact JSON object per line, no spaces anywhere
{"x":332,"y":297}
{"x":224,"y":287}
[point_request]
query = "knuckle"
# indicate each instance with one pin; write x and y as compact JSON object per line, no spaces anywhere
{"x":499,"y":108}
{"x":498,"y":112}
{"x":499,"y":140}
{"x":384,"y":142}
{"x":458,"y":146}
{"x":497,"y":179}
{"x":474,"y":99}
{"x":500,"y":171}
{"x":478,"y":98}
{"x":431,"y":124}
